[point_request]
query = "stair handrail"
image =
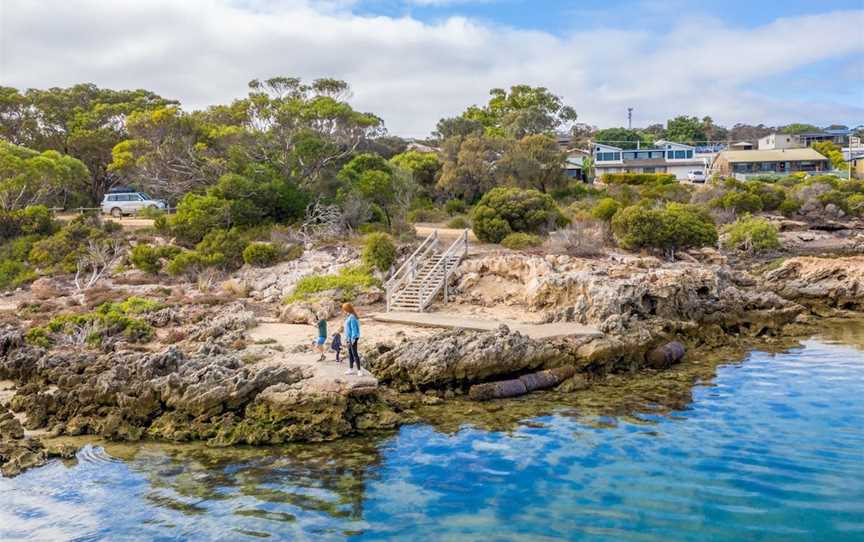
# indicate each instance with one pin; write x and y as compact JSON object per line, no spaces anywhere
{"x":460,"y":248}
{"x":409,"y":267}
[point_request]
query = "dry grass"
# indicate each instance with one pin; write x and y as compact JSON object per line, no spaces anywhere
{"x":584,"y":238}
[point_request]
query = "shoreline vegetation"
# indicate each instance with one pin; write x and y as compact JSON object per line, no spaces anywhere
{"x":187,"y":326}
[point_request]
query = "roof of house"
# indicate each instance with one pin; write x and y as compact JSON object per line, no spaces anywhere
{"x":778,"y":155}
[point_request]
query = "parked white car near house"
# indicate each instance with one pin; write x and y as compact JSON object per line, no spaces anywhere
{"x":119,"y":202}
{"x":696,"y":176}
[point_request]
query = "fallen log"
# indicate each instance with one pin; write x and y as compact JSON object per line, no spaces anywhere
{"x":520,"y":386}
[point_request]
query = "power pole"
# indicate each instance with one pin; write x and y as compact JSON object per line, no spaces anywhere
{"x":629,"y":118}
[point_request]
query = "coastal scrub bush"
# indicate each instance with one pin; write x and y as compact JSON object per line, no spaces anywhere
{"x":502,"y":211}
{"x":520,"y":241}
{"x":92,"y":328}
{"x":771,"y":196}
{"x":740,"y":202}
{"x":60,"y":251}
{"x":150,"y":212}
{"x":789,"y":207}
{"x":150,"y":259}
{"x":605,"y":209}
{"x":379,"y":251}
{"x":348,"y":282}
{"x":855,"y":203}
{"x":32,"y":220}
{"x":191,"y":262}
{"x":224,"y":248}
{"x":14,"y":273}
{"x":196,"y":216}
{"x":751,"y":234}
{"x":673,"y":227}
{"x":261,"y":254}
{"x":455,"y":206}
{"x":638,"y":178}
{"x":426,"y":215}
{"x":459,"y":223}
{"x":576,"y":190}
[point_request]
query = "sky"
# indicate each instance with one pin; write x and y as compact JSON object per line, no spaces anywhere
{"x":413,"y":62}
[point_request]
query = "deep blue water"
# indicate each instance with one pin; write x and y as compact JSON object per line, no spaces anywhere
{"x":772,"y":448}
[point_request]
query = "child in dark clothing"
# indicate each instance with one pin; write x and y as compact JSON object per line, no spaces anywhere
{"x":336,"y":345}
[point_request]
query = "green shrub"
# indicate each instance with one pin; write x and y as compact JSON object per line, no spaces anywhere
{"x":348,"y":281}
{"x":190,"y":262}
{"x":789,"y":207}
{"x":576,"y":190}
{"x":224,"y":247}
{"x":261,"y":254}
{"x":605,"y":209}
{"x":151,"y":212}
{"x":520,"y":241}
{"x":751,"y":234}
{"x":638,"y":178}
{"x":196,"y":216}
{"x":502,"y":211}
{"x":772,"y":196}
{"x":150,"y":259}
{"x":455,"y":206}
{"x":426,"y":215}
{"x":14,"y":273}
{"x":33,"y":220}
{"x":674,"y":227}
{"x":459,"y":223}
{"x":666,"y":192}
{"x":60,"y":251}
{"x":855,"y":204}
{"x":108,"y":320}
{"x":836,"y":198}
{"x":740,"y":202}
{"x":372,"y":227}
{"x":379,"y":251}
{"x":38,"y":336}
{"x":292,"y":252}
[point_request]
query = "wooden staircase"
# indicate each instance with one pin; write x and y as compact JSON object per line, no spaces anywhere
{"x":425,"y":274}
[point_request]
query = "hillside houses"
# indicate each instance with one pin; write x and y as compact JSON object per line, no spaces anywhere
{"x":663,"y":157}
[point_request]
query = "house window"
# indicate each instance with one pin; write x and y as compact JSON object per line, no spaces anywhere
{"x":690,"y":154}
{"x":630,"y":155}
{"x":679,"y":155}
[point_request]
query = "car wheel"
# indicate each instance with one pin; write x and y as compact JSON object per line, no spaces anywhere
{"x":116,"y":212}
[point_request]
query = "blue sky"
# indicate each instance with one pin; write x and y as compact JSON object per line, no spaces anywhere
{"x":560,"y":16}
{"x":415,"y":61}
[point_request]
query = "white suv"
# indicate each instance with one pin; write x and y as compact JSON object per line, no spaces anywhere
{"x":119,"y":202}
{"x":696,"y":176}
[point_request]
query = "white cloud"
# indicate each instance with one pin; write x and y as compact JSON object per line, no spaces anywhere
{"x":412,"y":73}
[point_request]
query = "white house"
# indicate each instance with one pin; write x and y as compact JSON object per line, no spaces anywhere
{"x":664,"y":157}
{"x":773,"y":142}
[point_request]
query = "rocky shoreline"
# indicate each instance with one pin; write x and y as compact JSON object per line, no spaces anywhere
{"x":206,"y":388}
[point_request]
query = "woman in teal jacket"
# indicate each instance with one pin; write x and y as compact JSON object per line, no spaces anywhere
{"x":352,"y":335}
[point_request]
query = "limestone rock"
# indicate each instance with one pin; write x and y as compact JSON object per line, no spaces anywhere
{"x":459,"y":357}
{"x":823,"y":284}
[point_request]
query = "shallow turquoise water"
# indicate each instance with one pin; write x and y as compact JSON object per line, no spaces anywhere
{"x":770,"y":449}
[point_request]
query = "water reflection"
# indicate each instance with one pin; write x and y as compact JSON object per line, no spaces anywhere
{"x":721,"y":448}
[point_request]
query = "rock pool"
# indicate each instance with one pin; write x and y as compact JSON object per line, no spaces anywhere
{"x":770,"y":447}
